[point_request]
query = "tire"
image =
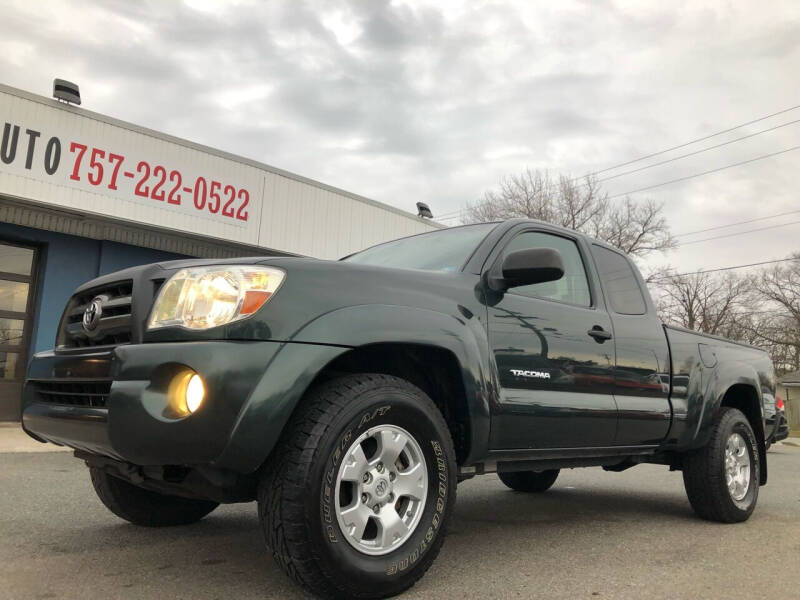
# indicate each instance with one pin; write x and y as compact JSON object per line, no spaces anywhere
{"x":143,"y":507}
{"x":704,"y":471}
{"x":299,"y":495}
{"x":532,"y":482}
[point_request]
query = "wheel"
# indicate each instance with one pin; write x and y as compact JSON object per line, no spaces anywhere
{"x":530,"y":481}
{"x":722,"y":478}
{"x":355,"y":501}
{"x":146,"y":508}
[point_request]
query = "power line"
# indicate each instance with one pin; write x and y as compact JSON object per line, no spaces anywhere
{"x":669,"y":160}
{"x":756,"y":264}
{"x":791,"y":212}
{"x":693,"y":176}
{"x":719,"y":237}
{"x":717,"y":227}
{"x":452,"y":212}
{"x":689,"y":143}
{"x":453,"y":218}
{"x":709,"y":172}
{"x":457,"y":213}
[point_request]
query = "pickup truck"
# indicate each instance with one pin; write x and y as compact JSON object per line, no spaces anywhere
{"x":348,"y":398}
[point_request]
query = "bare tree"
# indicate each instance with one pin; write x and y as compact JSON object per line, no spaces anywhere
{"x":776,"y":323}
{"x":638,"y":228}
{"x":705,"y":302}
{"x":762,"y":309}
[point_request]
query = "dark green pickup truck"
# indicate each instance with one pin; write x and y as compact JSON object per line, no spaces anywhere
{"x":348,"y":398}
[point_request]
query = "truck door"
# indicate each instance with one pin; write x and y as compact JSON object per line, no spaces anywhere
{"x":641,"y":376}
{"x":554,"y":355}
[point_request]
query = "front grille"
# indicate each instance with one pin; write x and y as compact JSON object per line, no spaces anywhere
{"x":93,"y":393}
{"x":113,"y":325}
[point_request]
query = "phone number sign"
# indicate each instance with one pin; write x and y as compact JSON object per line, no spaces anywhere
{"x":109,"y":169}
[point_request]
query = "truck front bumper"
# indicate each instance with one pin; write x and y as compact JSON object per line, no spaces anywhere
{"x":115,"y":403}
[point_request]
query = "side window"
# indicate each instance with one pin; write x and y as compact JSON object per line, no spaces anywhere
{"x":573,"y":287}
{"x":619,"y":281}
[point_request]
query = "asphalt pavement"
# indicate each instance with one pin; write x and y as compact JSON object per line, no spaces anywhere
{"x":594,"y":535}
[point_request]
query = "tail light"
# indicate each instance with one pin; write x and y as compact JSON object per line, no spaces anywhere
{"x":779,"y":403}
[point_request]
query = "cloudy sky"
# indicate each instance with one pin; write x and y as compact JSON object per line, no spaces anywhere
{"x":437,"y":100}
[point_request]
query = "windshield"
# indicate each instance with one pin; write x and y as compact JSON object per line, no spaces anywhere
{"x":443,"y":250}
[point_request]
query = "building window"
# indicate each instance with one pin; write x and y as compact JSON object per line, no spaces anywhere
{"x":16,"y":283}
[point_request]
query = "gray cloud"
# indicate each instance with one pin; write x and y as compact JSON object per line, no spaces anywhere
{"x":417,"y":100}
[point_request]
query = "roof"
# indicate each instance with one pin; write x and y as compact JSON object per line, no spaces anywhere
{"x":793,"y":377}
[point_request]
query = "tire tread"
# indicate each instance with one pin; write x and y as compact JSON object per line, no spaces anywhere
{"x":282,"y":489}
{"x":703,"y":478}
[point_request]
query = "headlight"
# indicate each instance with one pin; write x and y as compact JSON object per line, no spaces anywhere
{"x":205,"y":297}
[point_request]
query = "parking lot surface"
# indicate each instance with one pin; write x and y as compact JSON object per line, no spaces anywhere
{"x":594,"y":535}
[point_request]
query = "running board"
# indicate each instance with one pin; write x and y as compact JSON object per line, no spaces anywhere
{"x":554,"y":458}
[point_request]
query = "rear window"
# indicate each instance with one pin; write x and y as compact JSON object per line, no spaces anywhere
{"x":619,"y":282}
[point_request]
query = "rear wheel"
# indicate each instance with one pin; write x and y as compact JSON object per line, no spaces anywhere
{"x":146,"y":508}
{"x":530,"y":481}
{"x":722,"y":478}
{"x":355,"y":501}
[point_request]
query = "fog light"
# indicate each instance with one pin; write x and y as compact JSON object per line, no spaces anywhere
{"x":195,"y":392}
{"x":186,"y":394}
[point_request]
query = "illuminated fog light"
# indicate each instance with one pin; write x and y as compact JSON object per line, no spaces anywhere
{"x":195,"y":392}
{"x":185,"y":394}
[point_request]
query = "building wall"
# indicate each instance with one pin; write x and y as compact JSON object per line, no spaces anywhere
{"x":791,"y":396}
{"x":65,"y":262}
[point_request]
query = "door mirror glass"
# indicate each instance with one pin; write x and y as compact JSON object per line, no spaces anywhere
{"x":532,"y":265}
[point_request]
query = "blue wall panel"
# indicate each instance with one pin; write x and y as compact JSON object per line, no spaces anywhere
{"x":65,"y":262}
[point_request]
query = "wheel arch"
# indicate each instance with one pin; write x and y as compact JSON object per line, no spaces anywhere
{"x":434,"y":369}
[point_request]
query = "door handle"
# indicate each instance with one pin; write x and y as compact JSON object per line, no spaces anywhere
{"x":599,"y":334}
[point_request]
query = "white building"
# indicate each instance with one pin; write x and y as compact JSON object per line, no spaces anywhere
{"x":83,"y":194}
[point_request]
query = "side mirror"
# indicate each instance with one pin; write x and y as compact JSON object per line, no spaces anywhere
{"x":534,"y":265}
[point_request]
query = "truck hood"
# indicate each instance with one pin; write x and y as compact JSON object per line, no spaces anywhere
{"x":312,"y":288}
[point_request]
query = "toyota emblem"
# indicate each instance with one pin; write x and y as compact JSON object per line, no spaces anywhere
{"x":92,"y":314}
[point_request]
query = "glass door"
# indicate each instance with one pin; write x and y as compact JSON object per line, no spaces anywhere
{"x":16,"y":307}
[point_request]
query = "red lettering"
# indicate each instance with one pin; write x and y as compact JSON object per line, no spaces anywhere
{"x":174,"y":197}
{"x":227,"y":210}
{"x":141,"y":189}
{"x":158,"y":193}
{"x":241,"y":214}
{"x":81,"y":149}
{"x":214,"y":206}
{"x":116,"y":160}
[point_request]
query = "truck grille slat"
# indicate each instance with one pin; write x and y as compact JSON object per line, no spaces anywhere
{"x":92,"y":393}
{"x":114,"y":324}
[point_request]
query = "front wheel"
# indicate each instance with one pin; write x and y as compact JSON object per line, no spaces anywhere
{"x":532,"y":482}
{"x":355,"y":501}
{"x":722,"y":478}
{"x":144,"y":507}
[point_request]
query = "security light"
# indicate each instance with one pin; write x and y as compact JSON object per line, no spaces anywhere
{"x":423,"y":210}
{"x":66,"y":91}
